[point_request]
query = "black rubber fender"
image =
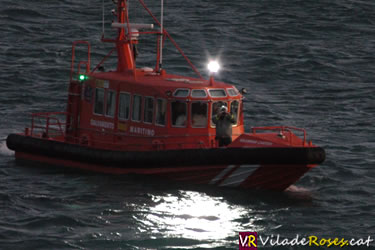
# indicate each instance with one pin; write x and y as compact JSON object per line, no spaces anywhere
{"x":183,"y":157}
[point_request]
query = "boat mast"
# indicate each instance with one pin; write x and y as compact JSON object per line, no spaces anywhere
{"x":124,"y":45}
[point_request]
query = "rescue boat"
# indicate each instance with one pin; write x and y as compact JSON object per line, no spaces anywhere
{"x":149,"y":121}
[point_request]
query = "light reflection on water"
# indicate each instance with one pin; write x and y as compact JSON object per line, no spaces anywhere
{"x":196,"y":215}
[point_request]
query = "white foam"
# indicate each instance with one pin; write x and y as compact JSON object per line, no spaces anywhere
{"x":4,"y":150}
{"x":299,"y":193}
{"x":296,"y":189}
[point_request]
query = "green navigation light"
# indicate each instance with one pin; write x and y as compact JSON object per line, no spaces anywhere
{"x":82,"y":77}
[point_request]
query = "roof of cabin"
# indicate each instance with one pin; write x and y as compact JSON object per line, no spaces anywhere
{"x":167,"y":80}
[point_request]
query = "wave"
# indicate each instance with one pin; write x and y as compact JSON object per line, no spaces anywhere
{"x":4,"y":150}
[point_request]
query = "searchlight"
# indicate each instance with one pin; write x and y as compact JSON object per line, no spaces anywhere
{"x":213,"y":66}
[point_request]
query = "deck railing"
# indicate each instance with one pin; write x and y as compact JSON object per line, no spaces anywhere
{"x":80,"y":63}
{"x":48,"y":124}
{"x":283,"y":130}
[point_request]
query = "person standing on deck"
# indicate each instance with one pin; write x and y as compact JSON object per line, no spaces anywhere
{"x":223,"y":121}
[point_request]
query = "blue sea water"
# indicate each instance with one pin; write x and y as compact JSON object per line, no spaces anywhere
{"x":307,"y":64}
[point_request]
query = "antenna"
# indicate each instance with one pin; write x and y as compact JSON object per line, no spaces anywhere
{"x":102,"y":18}
{"x":162,"y":34}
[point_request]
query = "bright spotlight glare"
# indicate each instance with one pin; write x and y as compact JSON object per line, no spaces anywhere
{"x":213,"y":66}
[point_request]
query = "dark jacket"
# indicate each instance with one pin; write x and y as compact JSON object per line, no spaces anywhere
{"x":223,"y":124}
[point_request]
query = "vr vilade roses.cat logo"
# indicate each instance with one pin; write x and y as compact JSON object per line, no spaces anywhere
{"x":248,"y":241}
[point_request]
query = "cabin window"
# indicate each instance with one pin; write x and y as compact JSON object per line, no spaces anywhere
{"x":161,"y":108}
{"x":232,"y":92}
{"x":99,"y":101}
{"x":197,"y":93}
{"x":181,"y":93}
{"x":148,"y":110}
{"x":215,"y":109}
{"x":234,"y":111}
{"x":137,"y":108}
{"x":111,"y":103}
{"x":217,"y":92}
{"x":179,"y":114}
{"x":199,"y":114}
{"x":124,"y":106}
